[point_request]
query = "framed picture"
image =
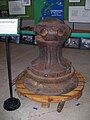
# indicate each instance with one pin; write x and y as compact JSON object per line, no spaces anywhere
{"x":26,"y":2}
{"x":72,"y":43}
{"x":15,"y":39}
{"x":12,"y":39}
{"x":16,"y":8}
{"x":27,"y":39}
{"x":2,"y":38}
{"x":85,"y":43}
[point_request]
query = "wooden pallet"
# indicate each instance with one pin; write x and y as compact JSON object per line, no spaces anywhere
{"x":46,"y":100}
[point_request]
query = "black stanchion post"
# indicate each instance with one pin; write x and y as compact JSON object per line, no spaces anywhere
{"x":11,"y":103}
{"x":8,"y":56}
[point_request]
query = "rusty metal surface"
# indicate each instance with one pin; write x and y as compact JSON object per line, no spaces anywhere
{"x":51,"y":73}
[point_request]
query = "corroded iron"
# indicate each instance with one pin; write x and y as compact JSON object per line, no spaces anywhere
{"x":50,"y":73}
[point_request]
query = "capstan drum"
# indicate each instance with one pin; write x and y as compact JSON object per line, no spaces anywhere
{"x":51,"y":77}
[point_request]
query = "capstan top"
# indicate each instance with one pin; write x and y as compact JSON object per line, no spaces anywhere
{"x":52,"y":29}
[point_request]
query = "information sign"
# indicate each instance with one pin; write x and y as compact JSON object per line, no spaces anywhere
{"x":9,"y":26}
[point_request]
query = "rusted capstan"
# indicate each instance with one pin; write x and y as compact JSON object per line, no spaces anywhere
{"x":50,"y":73}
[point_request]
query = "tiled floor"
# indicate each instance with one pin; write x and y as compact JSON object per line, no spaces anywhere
{"x":21,"y":55}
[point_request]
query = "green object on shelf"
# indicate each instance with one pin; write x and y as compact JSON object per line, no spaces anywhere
{"x":27,"y":32}
{"x":80,"y":35}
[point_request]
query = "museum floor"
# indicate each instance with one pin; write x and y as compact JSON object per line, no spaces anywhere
{"x":21,"y":55}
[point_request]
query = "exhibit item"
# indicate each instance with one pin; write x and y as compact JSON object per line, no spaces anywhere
{"x":50,"y":77}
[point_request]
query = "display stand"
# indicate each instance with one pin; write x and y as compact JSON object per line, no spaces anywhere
{"x":11,"y":103}
{"x":8,"y":27}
